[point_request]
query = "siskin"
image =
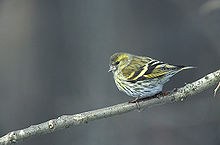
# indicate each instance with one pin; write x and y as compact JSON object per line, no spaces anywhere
{"x":139,"y":76}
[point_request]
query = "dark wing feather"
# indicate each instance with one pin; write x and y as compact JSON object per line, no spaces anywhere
{"x":136,"y":67}
{"x":162,"y":69}
{"x":142,"y":68}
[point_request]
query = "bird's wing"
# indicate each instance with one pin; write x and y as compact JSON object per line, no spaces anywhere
{"x":135,"y":68}
{"x":142,"y":68}
{"x":157,"y":70}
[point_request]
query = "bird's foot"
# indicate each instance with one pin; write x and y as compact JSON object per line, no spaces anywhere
{"x":168,"y":92}
{"x":162,"y":94}
{"x":174,"y":90}
{"x":136,"y":101}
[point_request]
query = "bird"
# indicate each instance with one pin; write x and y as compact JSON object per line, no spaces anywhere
{"x":139,"y":76}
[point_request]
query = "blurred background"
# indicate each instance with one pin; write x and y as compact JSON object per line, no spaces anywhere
{"x":54,"y":59}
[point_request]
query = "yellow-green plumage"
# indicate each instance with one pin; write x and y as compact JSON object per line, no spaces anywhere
{"x":140,"y":76}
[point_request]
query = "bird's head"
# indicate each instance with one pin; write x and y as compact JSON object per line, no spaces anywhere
{"x":118,"y":59}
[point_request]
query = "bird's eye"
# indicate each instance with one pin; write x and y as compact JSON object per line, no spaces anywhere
{"x":117,"y":62}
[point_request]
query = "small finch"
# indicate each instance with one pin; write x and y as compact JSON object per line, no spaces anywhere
{"x":140,"y":76}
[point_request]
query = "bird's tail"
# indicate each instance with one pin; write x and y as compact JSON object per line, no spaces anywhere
{"x":185,"y":67}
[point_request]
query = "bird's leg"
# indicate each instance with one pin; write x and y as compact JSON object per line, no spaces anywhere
{"x":136,"y":100}
{"x":161,"y":94}
{"x":167,"y":92}
{"x":138,"y":106}
{"x":174,"y":90}
{"x":158,"y":95}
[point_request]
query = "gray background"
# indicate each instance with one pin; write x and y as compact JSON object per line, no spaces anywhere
{"x":54,"y":60}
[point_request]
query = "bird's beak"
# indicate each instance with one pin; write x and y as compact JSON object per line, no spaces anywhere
{"x":112,"y":68}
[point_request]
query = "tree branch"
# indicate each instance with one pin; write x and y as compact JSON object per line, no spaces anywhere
{"x":66,"y":121}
